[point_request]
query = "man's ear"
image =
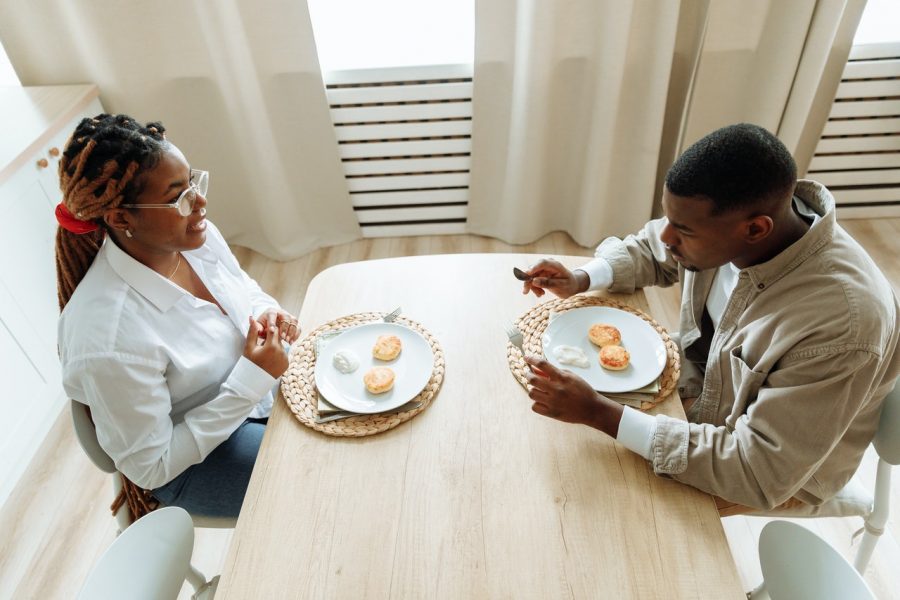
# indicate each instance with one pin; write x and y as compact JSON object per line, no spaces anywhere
{"x":758,"y":228}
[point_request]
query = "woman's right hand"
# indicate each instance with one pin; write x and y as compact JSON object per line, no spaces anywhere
{"x":268,"y":355}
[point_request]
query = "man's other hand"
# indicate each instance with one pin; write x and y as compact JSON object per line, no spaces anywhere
{"x":564,"y":396}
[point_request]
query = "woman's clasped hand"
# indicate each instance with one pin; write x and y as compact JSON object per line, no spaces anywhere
{"x":263,"y":348}
{"x":288,"y":327}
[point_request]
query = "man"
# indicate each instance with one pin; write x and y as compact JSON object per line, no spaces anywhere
{"x":789,"y":331}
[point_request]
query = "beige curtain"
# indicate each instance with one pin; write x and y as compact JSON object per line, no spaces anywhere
{"x":580,"y":106}
{"x":777,"y":64}
{"x":238,"y":86}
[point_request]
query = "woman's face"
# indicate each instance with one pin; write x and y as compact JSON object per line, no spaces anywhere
{"x":163,"y":229}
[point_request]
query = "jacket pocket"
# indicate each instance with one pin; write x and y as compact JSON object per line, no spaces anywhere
{"x":745,"y":384}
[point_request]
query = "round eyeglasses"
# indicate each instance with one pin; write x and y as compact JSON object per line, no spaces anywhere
{"x":185,"y":202}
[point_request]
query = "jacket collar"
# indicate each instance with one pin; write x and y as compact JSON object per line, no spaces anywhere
{"x":820,"y":200}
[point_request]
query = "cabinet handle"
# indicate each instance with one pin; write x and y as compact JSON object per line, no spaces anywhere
{"x":54,"y":152}
{"x":43,"y":163}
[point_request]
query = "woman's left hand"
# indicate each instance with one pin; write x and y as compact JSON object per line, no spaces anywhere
{"x":287,"y":324}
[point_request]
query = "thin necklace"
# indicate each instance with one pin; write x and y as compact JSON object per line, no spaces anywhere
{"x":177,"y":264}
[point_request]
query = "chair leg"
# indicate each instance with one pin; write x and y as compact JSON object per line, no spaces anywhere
{"x":196,"y":579}
{"x":874,"y":525}
{"x":123,"y":516}
{"x":208,"y":590}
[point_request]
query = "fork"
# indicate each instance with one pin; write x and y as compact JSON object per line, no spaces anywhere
{"x":392,"y":316}
{"x":515,"y":337}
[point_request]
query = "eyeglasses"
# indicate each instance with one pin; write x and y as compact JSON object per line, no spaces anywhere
{"x":185,"y":202}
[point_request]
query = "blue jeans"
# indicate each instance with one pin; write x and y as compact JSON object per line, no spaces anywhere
{"x":216,"y":487}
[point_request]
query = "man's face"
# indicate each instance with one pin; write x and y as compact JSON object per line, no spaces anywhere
{"x":697,"y":238}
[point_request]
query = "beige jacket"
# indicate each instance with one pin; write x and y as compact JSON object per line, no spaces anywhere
{"x":790,"y":389}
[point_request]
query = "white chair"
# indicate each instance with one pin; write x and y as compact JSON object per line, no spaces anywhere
{"x":855,"y":499}
{"x":87,"y":439}
{"x":148,"y":561}
{"x":887,"y":445}
{"x":799,"y":565}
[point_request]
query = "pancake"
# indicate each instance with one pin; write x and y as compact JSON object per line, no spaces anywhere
{"x":602,"y":335}
{"x":387,"y":347}
{"x":614,"y":358}
{"x":379,"y":380}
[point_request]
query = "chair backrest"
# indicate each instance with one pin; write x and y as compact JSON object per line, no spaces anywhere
{"x":148,"y":561}
{"x":887,"y":440}
{"x":798,"y":565}
{"x":87,"y":438}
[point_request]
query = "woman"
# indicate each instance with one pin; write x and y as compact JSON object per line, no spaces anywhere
{"x":170,"y":344}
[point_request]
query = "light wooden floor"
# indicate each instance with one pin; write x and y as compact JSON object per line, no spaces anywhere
{"x":56,"y":523}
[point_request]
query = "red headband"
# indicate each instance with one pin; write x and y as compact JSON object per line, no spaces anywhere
{"x":69,"y":222}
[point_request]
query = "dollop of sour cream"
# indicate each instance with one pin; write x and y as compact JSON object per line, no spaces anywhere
{"x":345,"y":361}
{"x":571,"y":355}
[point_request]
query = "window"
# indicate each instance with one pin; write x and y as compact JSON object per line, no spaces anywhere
{"x":880,"y":23}
{"x":858,"y":154}
{"x":398,"y":77}
{"x":362,"y":34}
{"x":7,"y":73}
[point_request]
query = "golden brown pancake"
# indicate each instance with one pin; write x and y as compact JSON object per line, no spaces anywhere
{"x":614,"y":358}
{"x":378,"y":380}
{"x":602,"y":335}
{"x":387,"y":347}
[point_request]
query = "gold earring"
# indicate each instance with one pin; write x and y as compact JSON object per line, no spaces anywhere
{"x":128,"y":233}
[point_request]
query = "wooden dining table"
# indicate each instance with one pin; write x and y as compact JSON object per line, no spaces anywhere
{"x":477,"y":496}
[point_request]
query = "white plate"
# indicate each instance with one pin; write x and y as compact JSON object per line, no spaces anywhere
{"x":647,"y":349}
{"x":347,"y":391}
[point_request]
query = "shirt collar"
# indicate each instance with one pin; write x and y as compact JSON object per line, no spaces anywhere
{"x":820,"y":201}
{"x":161,"y":292}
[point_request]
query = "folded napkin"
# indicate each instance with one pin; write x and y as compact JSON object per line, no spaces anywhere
{"x":636,"y":398}
{"x":323,"y":406}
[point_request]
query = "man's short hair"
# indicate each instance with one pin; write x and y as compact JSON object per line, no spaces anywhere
{"x":739,"y":166}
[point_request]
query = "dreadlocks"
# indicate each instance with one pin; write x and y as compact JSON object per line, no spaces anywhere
{"x":100,"y":169}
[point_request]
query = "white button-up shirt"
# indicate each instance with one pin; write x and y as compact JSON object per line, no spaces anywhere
{"x":162,"y":370}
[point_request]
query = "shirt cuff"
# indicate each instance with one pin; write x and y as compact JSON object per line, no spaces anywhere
{"x":599,"y":272}
{"x":636,"y":431}
{"x":250,"y":380}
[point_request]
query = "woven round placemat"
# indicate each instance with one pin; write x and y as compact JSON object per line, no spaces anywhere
{"x":298,"y":384}
{"x":533,"y":323}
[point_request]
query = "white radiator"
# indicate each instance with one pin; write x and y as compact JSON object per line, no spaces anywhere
{"x":858,"y":155}
{"x":405,"y":137}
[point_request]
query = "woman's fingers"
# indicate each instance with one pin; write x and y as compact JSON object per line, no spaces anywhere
{"x":271,"y":336}
{"x":290,"y":328}
{"x":253,"y":335}
{"x":293,"y":331}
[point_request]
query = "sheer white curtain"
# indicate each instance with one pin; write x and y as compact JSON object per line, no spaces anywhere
{"x":238,"y":86}
{"x":580,"y":106}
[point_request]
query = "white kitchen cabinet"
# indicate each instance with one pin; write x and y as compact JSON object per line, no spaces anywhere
{"x":35,"y":123}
